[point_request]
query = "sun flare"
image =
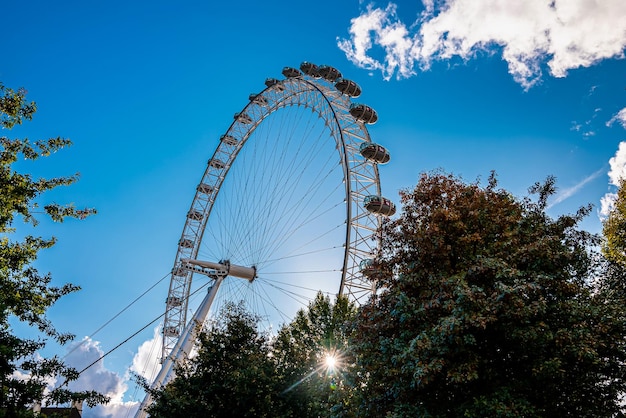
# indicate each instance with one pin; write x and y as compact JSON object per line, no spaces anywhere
{"x":331,"y":361}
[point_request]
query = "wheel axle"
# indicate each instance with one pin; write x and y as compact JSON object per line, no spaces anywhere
{"x":224,"y":268}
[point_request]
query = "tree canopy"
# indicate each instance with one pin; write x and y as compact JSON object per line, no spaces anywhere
{"x":232,"y":374}
{"x":242,"y":372}
{"x":315,"y":388}
{"x":25,"y":293}
{"x":614,"y":229}
{"x":487,"y":307}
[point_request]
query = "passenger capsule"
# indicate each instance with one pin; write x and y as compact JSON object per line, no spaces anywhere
{"x":229,"y":140}
{"x":173,"y":301}
{"x":374,"y":152}
{"x":291,"y":72}
{"x":170,"y":332}
{"x":379,"y":205}
{"x":329,"y":73}
{"x":195,"y":215}
{"x":243,"y":118}
{"x":186,"y":243}
{"x":363,"y":113}
{"x":217,"y":164}
{"x":272,"y":82}
{"x":310,"y":69}
{"x":258,"y":99}
{"x":348,"y":87}
{"x":204,"y":188}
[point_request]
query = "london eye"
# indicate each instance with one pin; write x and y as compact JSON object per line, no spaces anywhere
{"x":289,"y":205}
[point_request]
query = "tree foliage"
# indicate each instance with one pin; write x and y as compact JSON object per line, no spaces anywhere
{"x":241,"y":372}
{"x":301,"y":349}
{"x":25,"y":293}
{"x":232,"y":375}
{"x":488,"y":308}
{"x":614,"y":229}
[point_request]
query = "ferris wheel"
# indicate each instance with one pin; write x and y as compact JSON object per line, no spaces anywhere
{"x":289,"y":205}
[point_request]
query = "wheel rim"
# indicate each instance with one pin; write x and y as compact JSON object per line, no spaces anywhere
{"x":283,"y":194}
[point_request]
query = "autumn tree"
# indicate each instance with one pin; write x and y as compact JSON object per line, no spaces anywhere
{"x":614,"y":229}
{"x":25,"y":293}
{"x":488,"y":307}
{"x":614,"y":250}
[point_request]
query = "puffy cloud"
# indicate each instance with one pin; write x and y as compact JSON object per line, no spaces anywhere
{"x":617,"y":171}
{"x":97,"y":377}
{"x":87,"y":354}
{"x":356,"y":49}
{"x":111,"y":410}
{"x":81,"y":355}
{"x":382,"y":28}
{"x":50,"y":381}
{"x":618,"y":165}
{"x":564,"y":34}
{"x":607,"y":203}
{"x":146,"y":362}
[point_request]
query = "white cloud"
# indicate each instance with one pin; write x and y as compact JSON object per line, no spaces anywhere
{"x":562,"y":34}
{"x":376,"y":22}
{"x":98,"y":378}
{"x":607,"y":203}
{"x":617,"y":171}
{"x":146,"y":361}
{"x":81,"y":355}
{"x":619,"y":117}
{"x":111,"y":410}
{"x":50,"y":381}
{"x":618,"y":165}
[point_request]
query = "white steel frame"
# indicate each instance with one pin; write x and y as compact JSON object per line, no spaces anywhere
{"x":361,"y":178}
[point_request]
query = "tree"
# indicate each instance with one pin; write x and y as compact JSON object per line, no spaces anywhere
{"x":312,"y":386}
{"x":487,"y":307}
{"x":233,"y":374}
{"x":614,"y":229}
{"x":241,"y":372}
{"x":25,"y":293}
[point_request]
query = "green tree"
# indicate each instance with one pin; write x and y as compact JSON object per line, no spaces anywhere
{"x":488,"y":308}
{"x":312,"y":386}
{"x":233,"y":374}
{"x":25,"y":293}
{"x":241,"y":372}
{"x":614,"y":229}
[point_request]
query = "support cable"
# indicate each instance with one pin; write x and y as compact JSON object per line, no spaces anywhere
{"x":131,"y":337}
{"x":116,"y":315}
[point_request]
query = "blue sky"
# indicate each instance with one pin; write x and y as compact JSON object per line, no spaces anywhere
{"x":145,"y":89}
